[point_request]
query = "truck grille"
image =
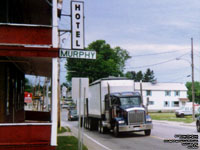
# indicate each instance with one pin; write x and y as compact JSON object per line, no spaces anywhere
{"x":136,"y":117}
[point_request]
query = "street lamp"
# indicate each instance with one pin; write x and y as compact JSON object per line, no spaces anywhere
{"x":192,"y":76}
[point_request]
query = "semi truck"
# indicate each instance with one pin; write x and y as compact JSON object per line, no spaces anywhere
{"x":113,"y":105}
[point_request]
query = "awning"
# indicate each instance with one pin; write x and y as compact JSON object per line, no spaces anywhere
{"x":184,"y":99}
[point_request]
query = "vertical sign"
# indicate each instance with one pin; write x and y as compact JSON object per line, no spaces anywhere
{"x":77,"y":25}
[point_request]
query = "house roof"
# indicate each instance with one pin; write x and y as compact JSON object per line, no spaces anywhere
{"x":161,"y":86}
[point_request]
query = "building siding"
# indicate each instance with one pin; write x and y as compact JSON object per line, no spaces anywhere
{"x":158,"y":97}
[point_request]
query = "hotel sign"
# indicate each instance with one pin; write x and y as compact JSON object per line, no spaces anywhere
{"x":65,"y":53}
{"x":77,"y":35}
{"x":77,"y":21}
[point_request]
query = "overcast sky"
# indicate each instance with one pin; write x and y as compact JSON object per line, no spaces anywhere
{"x":154,"y":32}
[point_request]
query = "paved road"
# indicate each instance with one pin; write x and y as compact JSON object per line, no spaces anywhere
{"x":133,"y":141}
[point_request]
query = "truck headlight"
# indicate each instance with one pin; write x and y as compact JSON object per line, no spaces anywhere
{"x":121,"y":122}
{"x":148,"y":119}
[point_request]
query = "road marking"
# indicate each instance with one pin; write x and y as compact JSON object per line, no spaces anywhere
{"x":93,"y":140}
{"x":158,"y":137}
{"x":97,"y":142}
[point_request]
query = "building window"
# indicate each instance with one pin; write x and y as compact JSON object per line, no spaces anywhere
{"x":151,"y":102}
{"x":8,"y":92}
{"x":148,"y":93}
{"x":176,"y":93}
{"x":175,"y":104}
{"x":166,"y":103}
{"x":167,"y":93}
{"x":24,"y":12}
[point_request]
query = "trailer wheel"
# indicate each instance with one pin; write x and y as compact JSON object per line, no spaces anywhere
{"x":87,"y":124}
{"x":90,"y":124}
{"x":99,"y":126}
{"x":147,"y":132}
{"x":116,"y":130}
{"x":103,"y":129}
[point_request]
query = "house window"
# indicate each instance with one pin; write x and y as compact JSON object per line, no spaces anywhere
{"x":176,"y":93}
{"x":148,"y":93}
{"x":166,"y":103}
{"x":167,"y":93}
{"x":175,"y":104}
{"x":151,"y":102}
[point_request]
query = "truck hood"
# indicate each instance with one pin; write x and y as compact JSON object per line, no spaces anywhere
{"x":131,"y":108}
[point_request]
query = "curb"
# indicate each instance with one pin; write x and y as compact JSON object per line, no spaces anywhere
{"x":193,"y":124}
{"x":65,"y":134}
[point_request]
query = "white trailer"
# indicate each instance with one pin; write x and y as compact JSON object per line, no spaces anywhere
{"x":98,"y":90}
{"x":113,"y":105}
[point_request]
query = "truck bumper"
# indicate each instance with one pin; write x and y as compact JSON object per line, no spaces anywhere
{"x":132,"y":128}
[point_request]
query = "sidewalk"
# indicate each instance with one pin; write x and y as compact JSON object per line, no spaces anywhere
{"x":90,"y":143}
{"x":193,"y":124}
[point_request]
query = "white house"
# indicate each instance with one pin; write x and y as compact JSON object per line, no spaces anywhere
{"x":163,"y":96}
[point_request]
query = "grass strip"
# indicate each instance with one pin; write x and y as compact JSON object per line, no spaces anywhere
{"x":68,"y":143}
{"x":170,"y":117}
{"x":62,"y":130}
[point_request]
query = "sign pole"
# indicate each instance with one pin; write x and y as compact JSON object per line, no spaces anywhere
{"x":79,"y":120}
{"x":82,"y":131}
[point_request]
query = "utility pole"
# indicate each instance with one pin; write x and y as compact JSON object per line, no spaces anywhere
{"x":141,"y":92}
{"x":59,"y":120}
{"x":192,"y":65}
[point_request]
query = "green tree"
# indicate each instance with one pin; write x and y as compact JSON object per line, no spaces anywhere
{"x":139,"y":76}
{"x":131,"y":75}
{"x":196,"y":91}
{"x":109,"y":62}
{"x":28,"y":86}
{"x":148,"y":76}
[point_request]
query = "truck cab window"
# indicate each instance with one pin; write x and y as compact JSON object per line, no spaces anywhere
{"x":115,"y":101}
{"x":130,"y":101}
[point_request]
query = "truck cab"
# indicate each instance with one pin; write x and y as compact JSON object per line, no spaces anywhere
{"x":124,"y":112}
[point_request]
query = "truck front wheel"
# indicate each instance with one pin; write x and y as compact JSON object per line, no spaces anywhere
{"x":101,"y":129}
{"x":116,"y":130}
{"x":147,"y":132}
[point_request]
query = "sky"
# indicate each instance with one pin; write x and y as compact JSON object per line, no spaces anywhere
{"x":156,"y":33}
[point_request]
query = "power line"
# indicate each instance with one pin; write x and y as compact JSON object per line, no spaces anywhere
{"x":158,"y":63}
{"x":172,"y":72}
{"x":180,"y":77}
{"x":157,"y":53}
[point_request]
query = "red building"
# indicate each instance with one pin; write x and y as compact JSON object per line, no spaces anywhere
{"x":28,"y":45}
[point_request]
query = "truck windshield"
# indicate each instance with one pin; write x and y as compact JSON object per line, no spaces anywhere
{"x":130,"y":101}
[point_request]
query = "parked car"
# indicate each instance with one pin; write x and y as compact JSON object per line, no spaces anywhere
{"x":68,"y":104}
{"x":187,"y":111}
{"x":67,"y":101}
{"x":72,"y":115}
{"x":65,"y":106}
{"x":72,"y":106}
